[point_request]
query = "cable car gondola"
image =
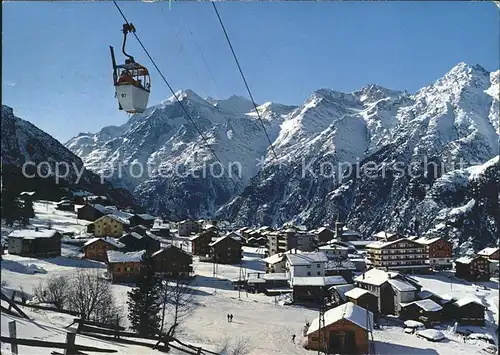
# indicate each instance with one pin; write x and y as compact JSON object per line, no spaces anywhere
{"x":133,"y":84}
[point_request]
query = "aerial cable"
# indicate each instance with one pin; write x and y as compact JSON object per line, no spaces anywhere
{"x":244,"y":80}
{"x":175,"y":95}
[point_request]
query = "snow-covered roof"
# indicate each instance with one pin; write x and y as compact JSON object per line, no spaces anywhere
{"x":414,"y":324}
{"x":274,"y":259}
{"x":115,"y":256}
{"x":425,"y":294}
{"x":333,"y":247}
{"x":111,"y":241}
{"x":356,"y":293}
{"x":427,"y":240}
{"x":342,"y":289}
{"x":349,"y":311}
{"x":276,"y":276}
{"x":220,"y":239}
{"x":307,"y":258}
{"x":29,"y":193}
{"x":431,"y":334}
{"x":465,"y":259}
{"x":465,"y":301}
{"x":115,"y":217}
{"x":426,"y":305}
{"x":146,"y":217}
{"x":401,"y":285}
{"x":340,"y":265}
{"x":318,"y":281}
{"x":100,"y":208}
{"x":136,"y":235}
{"x":168,"y":247}
{"x":375,"y":277}
{"x":487,"y":251}
{"x":32,"y":233}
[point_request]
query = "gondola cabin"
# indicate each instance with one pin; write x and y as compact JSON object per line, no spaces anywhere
{"x":131,"y":80}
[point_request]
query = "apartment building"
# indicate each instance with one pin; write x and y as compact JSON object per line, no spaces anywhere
{"x":401,"y":254}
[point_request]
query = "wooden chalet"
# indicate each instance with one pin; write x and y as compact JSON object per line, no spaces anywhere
{"x":109,"y":226}
{"x":97,"y":248}
{"x":187,"y":227}
{"x":92,"y":212}
{"x":363,"y":298}
{"x":426,"y":311}
{"x":323,"y":235}
{"x":440,"y":252}
{"x":173,"y":262}
{"x":445,"y":301}
{"x":226,"y":250}
{"x":470,"y":311}
{"x":391,"y":288}
{"x":200,"y":243}
{"x":124,"y":267}
{"x":312,"y":289}
{"x":340,"y":267}
{"x":472,"y":268}
{"x":142,"y":219}
{"x":347,"y":330}
{"x":140,"y":229}
{"x":490,"y":253}
{"x":35,"y":242}
{"x":134,"y":242}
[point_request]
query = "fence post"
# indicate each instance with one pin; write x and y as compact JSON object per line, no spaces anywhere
{"x":12,"y":334}
{"x":70,"y":343}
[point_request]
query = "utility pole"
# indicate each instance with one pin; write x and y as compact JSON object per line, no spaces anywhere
{"x":323,"y":342}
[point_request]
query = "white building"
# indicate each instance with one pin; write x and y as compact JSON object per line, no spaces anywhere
{"x":333,"y":250}
{"x":306,"y":264}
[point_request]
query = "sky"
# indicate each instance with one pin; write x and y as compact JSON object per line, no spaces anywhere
{"x":57,"y":74}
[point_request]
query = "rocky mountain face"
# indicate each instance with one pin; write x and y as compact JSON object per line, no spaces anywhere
{"x":378,"y":158}
{"x":34,"y":160}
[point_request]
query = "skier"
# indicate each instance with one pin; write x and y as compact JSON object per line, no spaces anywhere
{"x":293,"y":338}
{"x":231,"y":318}
{"x":228,"y":317}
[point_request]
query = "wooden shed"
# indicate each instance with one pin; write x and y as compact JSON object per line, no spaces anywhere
{"x":35,"y":242}
{"x":470,"y":311}
{"x":363,"y":298}
{"x":346,"y":330}
{"x":97,"y":248}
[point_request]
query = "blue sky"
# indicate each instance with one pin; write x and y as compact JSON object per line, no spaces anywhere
{"x":57,"y":69}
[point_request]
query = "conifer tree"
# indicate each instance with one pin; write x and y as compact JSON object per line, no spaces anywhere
{"x":144,"y":301}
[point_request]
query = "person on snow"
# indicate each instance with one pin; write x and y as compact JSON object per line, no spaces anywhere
{"x":293,"y":338}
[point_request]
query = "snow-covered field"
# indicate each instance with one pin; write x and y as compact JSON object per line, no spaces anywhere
{"x":267,"y":325}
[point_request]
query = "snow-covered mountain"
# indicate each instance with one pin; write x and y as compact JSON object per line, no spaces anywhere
{"x":371,"y":134}
{"x":44,"y":158}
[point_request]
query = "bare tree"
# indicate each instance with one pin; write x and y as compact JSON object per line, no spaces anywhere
{"x":177,"y":304}
{"x":53,"y":291}
{"x":240,"y":346}
{"x":91,"y":296}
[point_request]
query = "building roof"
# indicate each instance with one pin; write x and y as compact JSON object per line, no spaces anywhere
{"x":146,"y":216}
{"x":32,"y":233}
{"x":488,"y":251}
{"x":115,"y":256}
{"x":401,"y":286}
{"x":318,"y":281}
{"x":220,"y":239}
{"x":111,"y":241}
{"x":349,"y":311}
{"x":356,"y":293}
{"x":168,"y":247}
{"x":468,"y":300}
{"x":274,"y":259}
{"x":342,"y":289}
{"x":306,"y":258}
{"x":345,"y":264}
{"x":465,"y":260}
{"x":427,"y":240}
{"x":382,"y":244}
{"x":426,"y":305}
{"x":114,"y":217}
{"x":135,"y":235}
{"x":375,"y":277}
{"x":277,"y":276}
{"x":100,"y":208}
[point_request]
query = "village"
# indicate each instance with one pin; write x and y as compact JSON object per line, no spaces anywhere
{"x":342,"y":290}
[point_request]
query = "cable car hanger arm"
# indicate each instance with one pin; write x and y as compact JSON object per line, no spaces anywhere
{"x":127,"y":27}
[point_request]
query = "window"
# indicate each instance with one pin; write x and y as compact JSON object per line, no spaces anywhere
{"x":318,"y":265}
{"x":308,"y":266}
{"x":308,"y":273}
{"x":318,"y":273}
{"x":127,"y":268}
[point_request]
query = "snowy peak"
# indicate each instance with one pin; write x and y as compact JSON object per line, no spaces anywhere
{"x":235,"y":104}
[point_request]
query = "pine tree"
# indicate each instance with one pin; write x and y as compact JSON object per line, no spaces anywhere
{"x":144,"y":301}
{"x":11,"y":207}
